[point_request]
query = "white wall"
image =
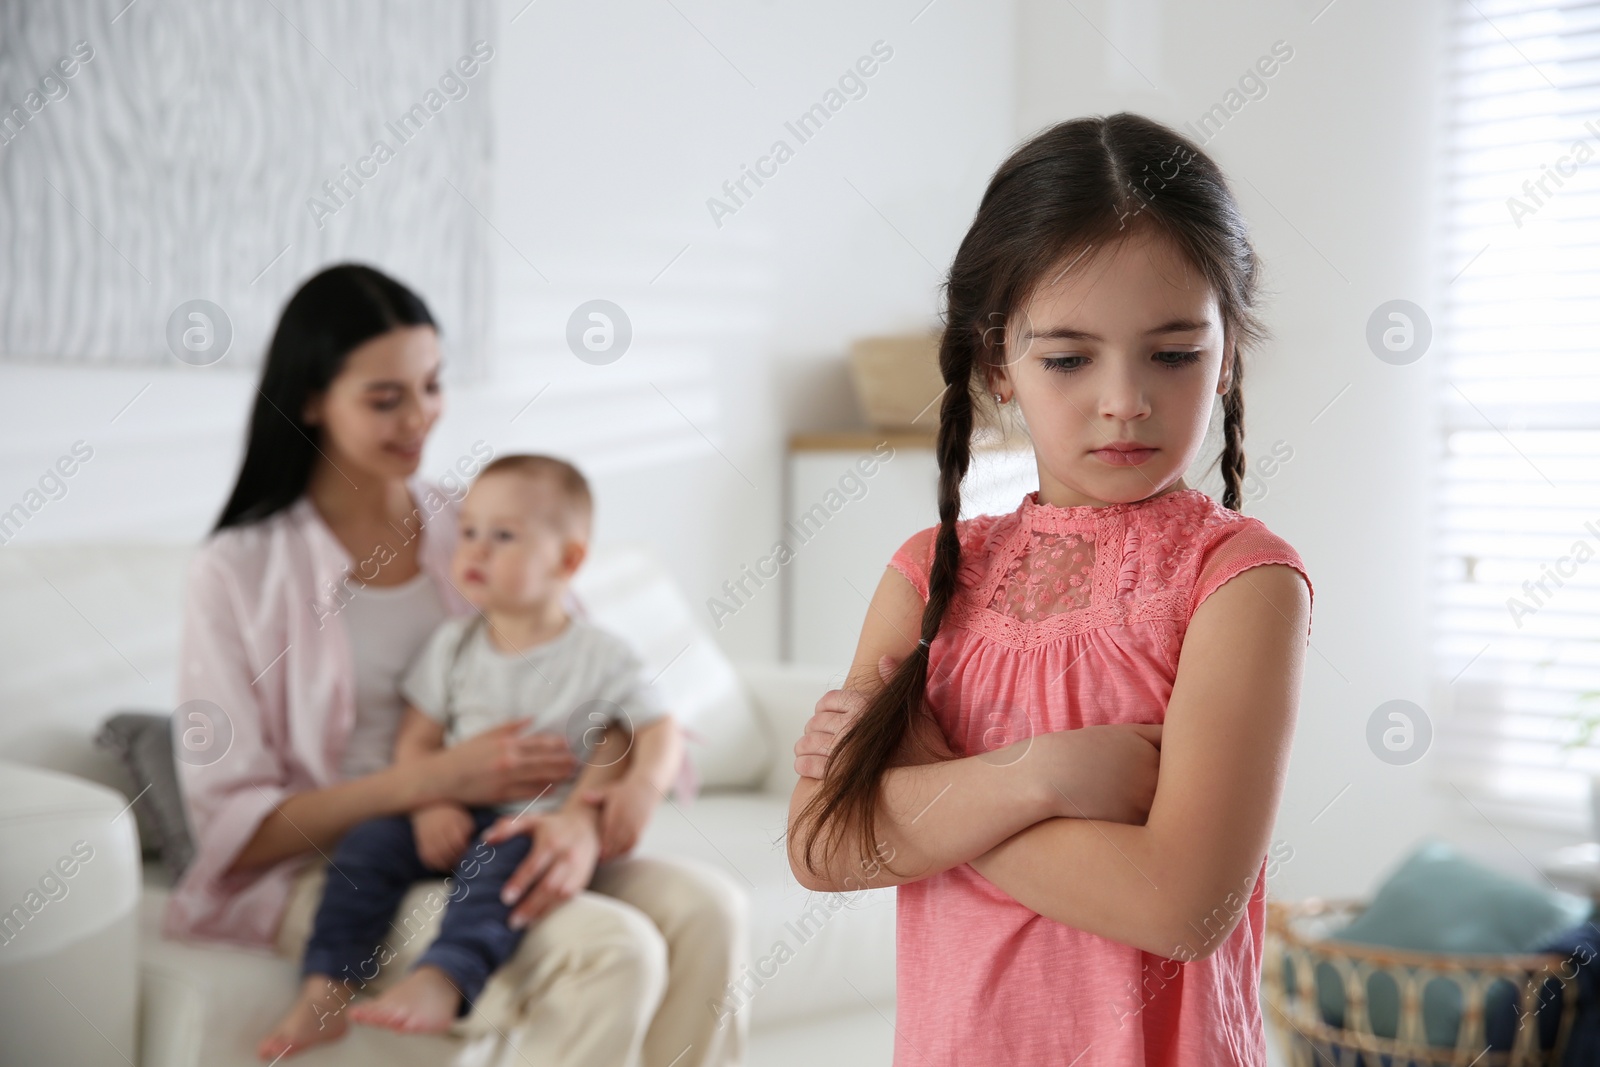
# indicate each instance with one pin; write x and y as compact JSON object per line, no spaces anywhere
{"x":617,"y":128}
{"x":613,"y":125}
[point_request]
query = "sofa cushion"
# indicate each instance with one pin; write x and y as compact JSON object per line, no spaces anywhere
{"x":786,"y":696}
{"x":625,"y":590}
{"x":142,"y":741}
{"x":1440,"y":901}
{"x":207,"y":1005}
{"x":811,"y":954}
{"x":804,"y":945}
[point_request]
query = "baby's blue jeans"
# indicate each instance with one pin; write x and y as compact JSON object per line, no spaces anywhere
{"x":370,"y":872}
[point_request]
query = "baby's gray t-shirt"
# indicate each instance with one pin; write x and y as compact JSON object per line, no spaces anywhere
{"x":575,"y":684}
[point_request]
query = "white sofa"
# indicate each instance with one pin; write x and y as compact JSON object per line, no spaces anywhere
{"x":92,"y":629}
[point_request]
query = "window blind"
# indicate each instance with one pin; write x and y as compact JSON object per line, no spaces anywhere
{"x":1517,"y":578}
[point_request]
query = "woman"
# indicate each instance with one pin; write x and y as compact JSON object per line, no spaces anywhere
{"x":325,"y":573}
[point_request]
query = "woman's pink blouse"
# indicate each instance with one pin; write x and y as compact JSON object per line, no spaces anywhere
{"x":1067,"y":617}
{"x":261,"y":641}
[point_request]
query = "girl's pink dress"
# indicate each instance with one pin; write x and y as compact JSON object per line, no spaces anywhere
{"x":1067,"y":617}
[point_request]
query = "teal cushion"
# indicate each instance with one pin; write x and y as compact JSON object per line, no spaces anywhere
{"x":1441,"y":901}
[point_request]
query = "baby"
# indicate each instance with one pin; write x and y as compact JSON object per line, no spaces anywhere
{"x":524,"y":532}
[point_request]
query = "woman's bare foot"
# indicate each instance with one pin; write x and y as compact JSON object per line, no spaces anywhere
{"x":316,"y":1018}
{"x":423,"y":1002}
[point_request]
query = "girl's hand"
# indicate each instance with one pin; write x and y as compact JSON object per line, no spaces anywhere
{"x":499,"y":764}
{"x":1095,"y":772}
{"x":835,"y":711}
{"x":566,"y":849}
{"x":443,"y":832}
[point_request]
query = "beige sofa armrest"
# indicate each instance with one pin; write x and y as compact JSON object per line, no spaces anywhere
{"x":69,"y":937}
{"x":785,"y":695}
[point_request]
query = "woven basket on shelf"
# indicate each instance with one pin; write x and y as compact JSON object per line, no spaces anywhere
{"x":897,"y":380}
{"x":1297,"y":943}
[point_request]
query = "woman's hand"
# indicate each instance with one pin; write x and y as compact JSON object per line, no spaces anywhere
{"x":625,"y":809}
{"x":501,"y":764}
{"x":1094,"y":772}
{"x":566,"y":849}
{"x":443,"y":832}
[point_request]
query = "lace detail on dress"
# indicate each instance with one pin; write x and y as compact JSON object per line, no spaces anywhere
{"x":1042,"y":573}
{"x":981,"y":537}
{"x":1128,"y":575}
{"x":1053,"y":574}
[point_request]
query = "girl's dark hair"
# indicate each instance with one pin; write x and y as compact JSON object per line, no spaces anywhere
{"x":334,"y":313}
{"x":1076,"y":186}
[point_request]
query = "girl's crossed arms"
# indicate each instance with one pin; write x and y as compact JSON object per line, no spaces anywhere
{"x":1076,"y":825}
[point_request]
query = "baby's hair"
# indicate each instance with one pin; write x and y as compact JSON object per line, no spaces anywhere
{"x":577,"y":502}
{"x":1073,"y":188}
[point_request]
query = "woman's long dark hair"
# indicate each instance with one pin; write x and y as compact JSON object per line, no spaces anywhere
{"x":334,"y":313}
{"x":1075,"y":187}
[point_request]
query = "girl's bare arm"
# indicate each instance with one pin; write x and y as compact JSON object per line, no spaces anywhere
{"x":1178,"y":885}
{"x":931,"y":816}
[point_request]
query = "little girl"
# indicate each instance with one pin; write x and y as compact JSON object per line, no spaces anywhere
{"x":1056,"y":903}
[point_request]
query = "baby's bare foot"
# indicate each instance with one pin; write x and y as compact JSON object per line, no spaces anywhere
{"x":423,"y":1002}
{"x":316,"y":1017}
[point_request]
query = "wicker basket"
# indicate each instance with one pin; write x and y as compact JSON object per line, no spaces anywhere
{"x":897,"y":380}
{"x":1297,"y":939}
